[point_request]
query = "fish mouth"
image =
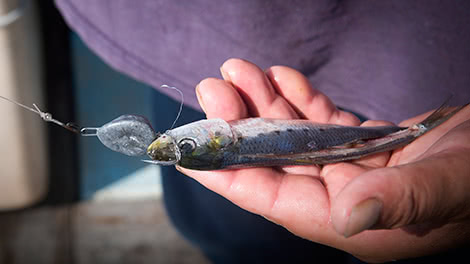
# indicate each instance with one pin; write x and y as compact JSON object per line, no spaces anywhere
{"x":159,"y":162}
{"x":164,"y":151}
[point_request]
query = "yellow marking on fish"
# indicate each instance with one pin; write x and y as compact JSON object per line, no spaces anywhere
{"x":214,"y":144}
{"x":218,"y":142}
{"x":154,"y":144}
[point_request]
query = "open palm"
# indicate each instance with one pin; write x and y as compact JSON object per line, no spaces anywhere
{"x":331,"y":204}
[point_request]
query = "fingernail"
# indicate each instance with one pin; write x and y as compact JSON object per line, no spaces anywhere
{"x":225,"y":75}
{"x":199,"y":98}
{"x":363,"y":216}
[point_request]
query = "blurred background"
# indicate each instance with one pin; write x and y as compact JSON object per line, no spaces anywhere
{"x":66,"y":198}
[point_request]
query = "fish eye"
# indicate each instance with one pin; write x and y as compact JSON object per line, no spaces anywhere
{"x":187,"y":145}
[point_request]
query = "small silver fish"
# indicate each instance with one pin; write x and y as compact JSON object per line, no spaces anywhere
{"x":215,"y":144}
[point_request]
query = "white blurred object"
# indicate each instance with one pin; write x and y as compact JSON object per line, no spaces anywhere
{"x":23,"y":153}
{"x":143,"y":184}
{"x":12,"y":15}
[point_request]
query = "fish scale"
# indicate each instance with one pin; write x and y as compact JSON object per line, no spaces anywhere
{"x":298,"y":136}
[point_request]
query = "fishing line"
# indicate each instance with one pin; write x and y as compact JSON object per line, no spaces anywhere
{"x":46,"y":116}
{"x":181,"y":105}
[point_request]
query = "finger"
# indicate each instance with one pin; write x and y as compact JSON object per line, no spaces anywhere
{"x":209,"y":93}
{"x":253,"y":189}
{"x":256,"y":90}
{"x":294,"y":201}
{"x":378,"y":160}
{"x":256,"y":189}
{"x":252,"y":192}
{"x":308,"y":102}
{"x":427,"y":191}
{"x":338,"y":175}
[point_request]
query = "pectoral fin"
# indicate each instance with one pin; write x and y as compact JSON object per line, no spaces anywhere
{"x":314,"y":146}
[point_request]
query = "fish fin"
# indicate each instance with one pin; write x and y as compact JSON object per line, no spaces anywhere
{"x":440,"y":115}
{"x":313,"y":146}
{"x":351,"y":144}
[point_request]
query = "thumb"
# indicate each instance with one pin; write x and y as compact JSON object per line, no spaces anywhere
{"x":433,"y":191}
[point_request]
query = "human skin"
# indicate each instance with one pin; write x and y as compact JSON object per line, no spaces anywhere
{"x":406,"y":203}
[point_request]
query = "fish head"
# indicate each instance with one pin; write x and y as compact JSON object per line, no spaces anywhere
{"x":164,"y":150}
{"x":199,"y":145}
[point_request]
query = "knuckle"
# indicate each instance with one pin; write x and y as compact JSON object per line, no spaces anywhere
{"x":411,"y":206}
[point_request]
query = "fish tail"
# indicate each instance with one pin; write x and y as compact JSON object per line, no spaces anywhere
{"x":440,"y":115}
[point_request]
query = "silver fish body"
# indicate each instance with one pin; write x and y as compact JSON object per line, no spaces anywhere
{"x":215,"y":144}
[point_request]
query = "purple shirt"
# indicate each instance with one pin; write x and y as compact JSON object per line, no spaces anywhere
{"x":384,"y":59}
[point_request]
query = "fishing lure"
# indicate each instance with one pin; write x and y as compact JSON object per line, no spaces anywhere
{"x":128,"y":134}
{"x":215,"y":144}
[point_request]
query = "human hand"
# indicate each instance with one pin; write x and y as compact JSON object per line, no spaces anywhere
{"x":414,"y":199}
